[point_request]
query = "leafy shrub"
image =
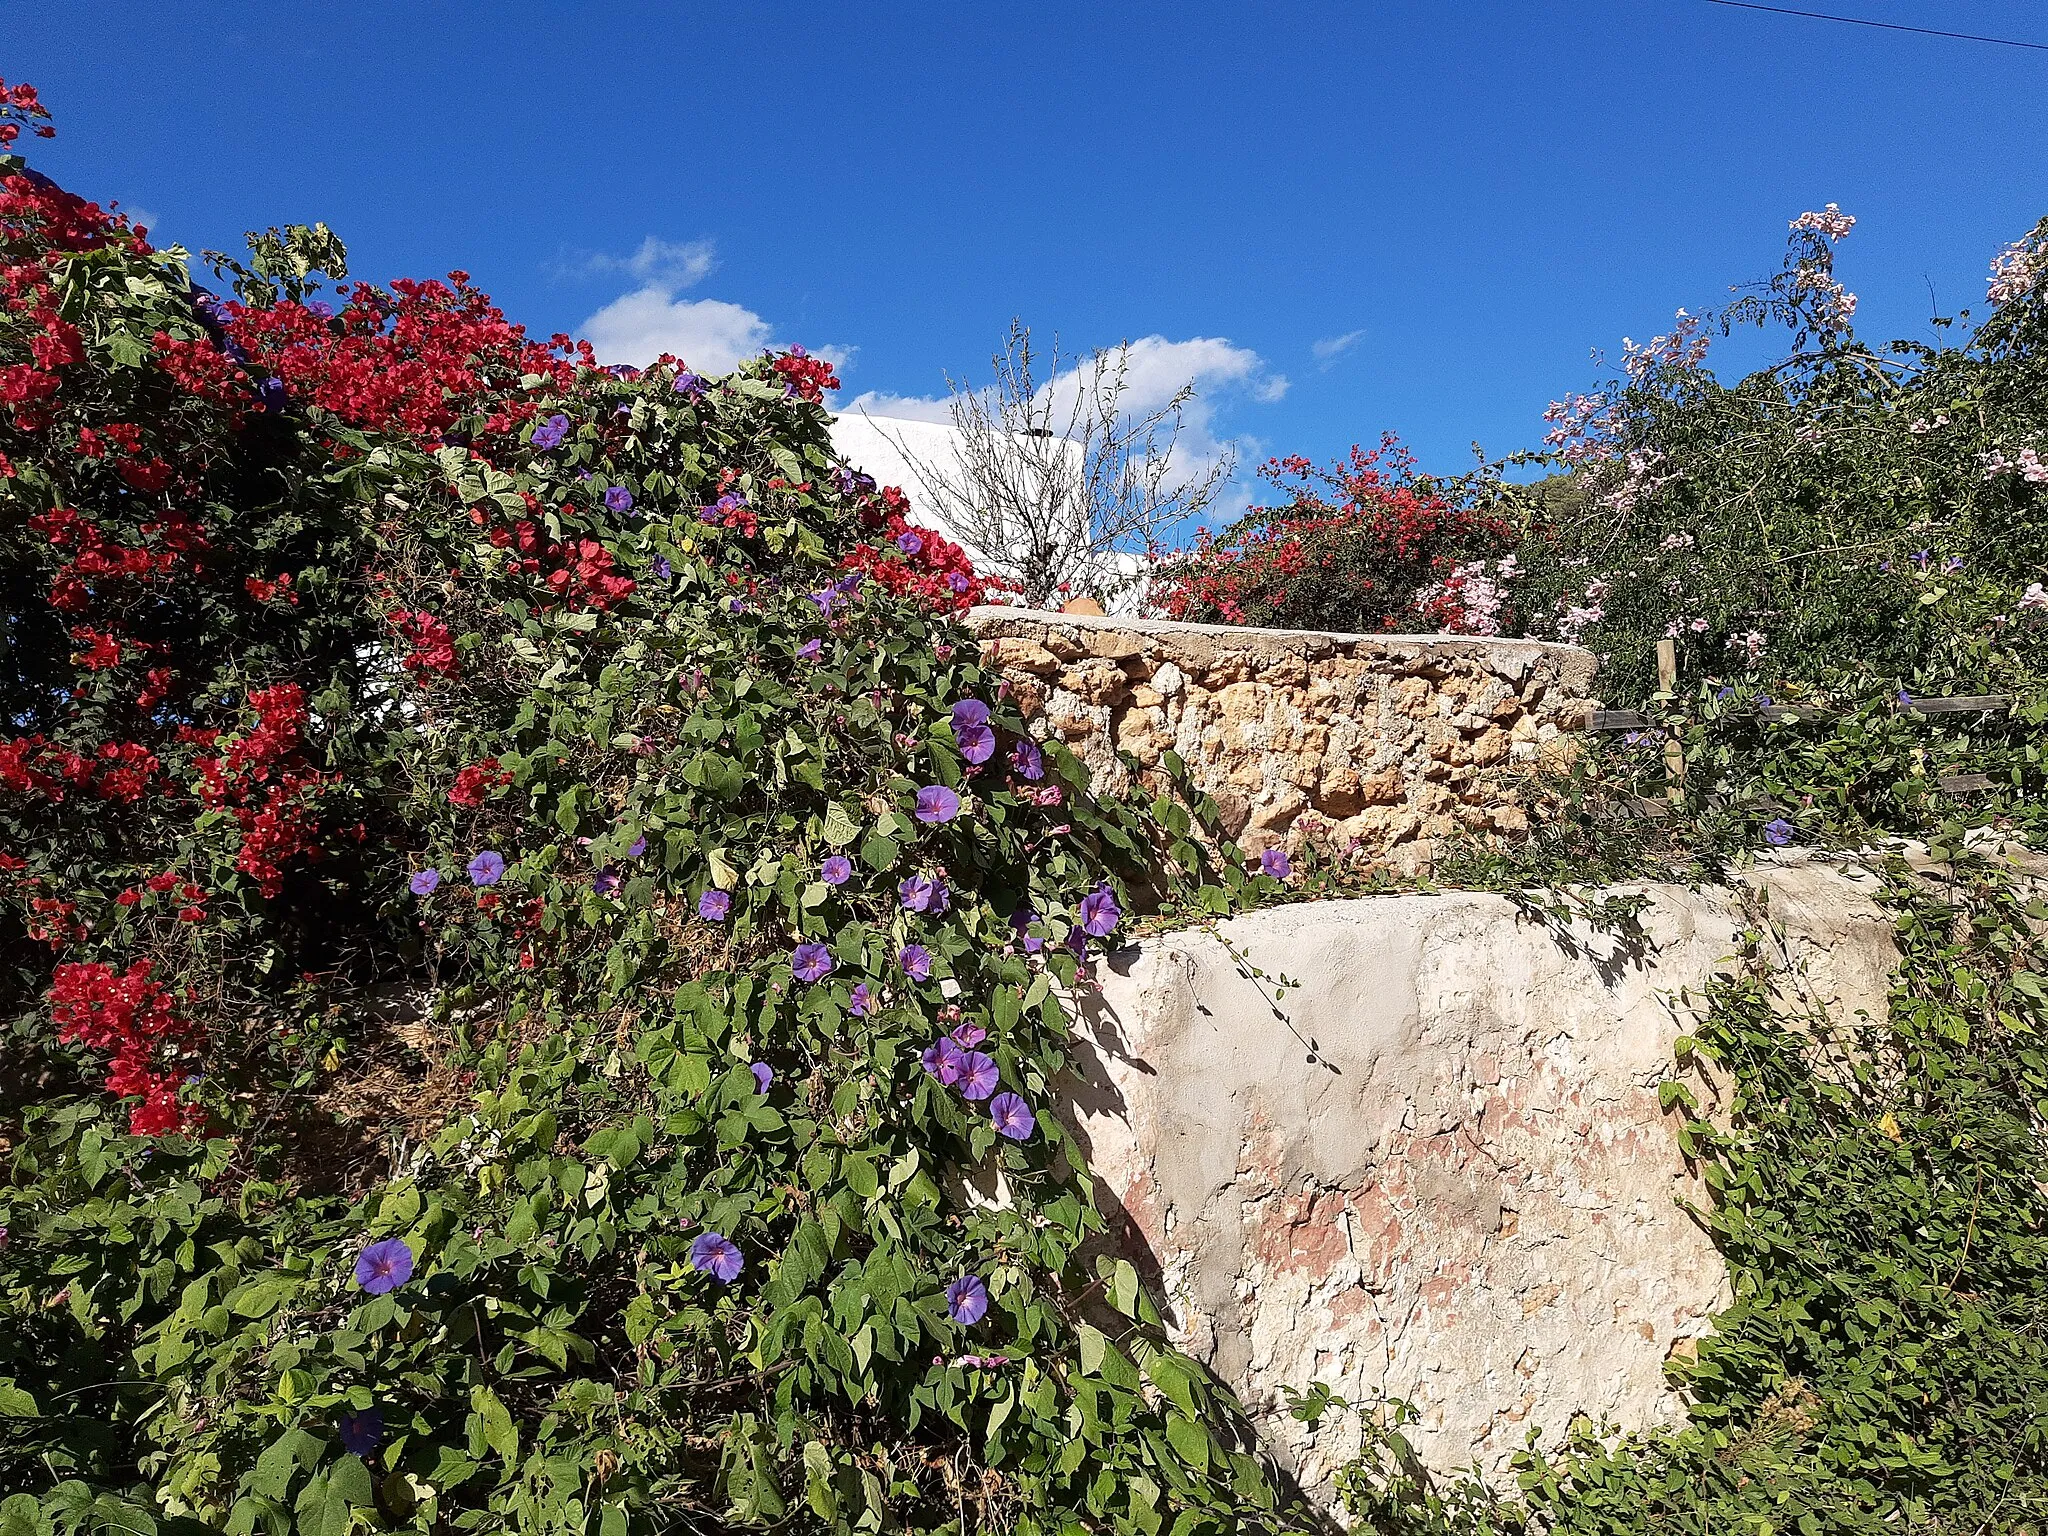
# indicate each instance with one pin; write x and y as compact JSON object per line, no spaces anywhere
{"x":1861,"y":517}
{"x":534,"y":957}
{"x":1363,"y":545}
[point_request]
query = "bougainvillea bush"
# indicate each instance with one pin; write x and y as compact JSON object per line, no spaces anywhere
{"x":536,"y":964}
{"x":1361,"y":546}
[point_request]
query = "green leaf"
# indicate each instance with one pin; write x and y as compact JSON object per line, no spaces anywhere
{"x":1093,"y":1347}
{"x":1189,"y":1440}
{"x":15,"y":1402}
{"x":840,"y":827}
{"x":499,"y":1432}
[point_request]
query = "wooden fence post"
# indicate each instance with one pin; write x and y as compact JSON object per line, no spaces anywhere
{"x":1674,"y":753}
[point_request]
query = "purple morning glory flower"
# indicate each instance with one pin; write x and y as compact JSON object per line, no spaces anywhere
{"x":811,"y":962}
{"x":811,"y":649}
{"x":1100,"y":913}
{"x":736,"y":605}
{"x":662,"y":568}
{"x":1274,"y":862}
{"x":957,"y":582}
{"x":942,"y":1060}
{"x":1021,"y":920}
{"x":713,"y":906}
{"x":384,"y":1266}
{"x":361,"y":1431}
{"x":909,"y":542}
{"x":916,"y":961}
{"x":321,"y":308}
{"x":924,"y":893}
{"x":763,"y":1076}
{"x":826,"y":598}
{"x":713,"y":1254}
{"x":1027,"y":759}
{"x":618,"y":499}
{"x":1778,"y":832}
{"x":1953,"y":563}
{"x":967,"y":1300}
{"x":978,"y":1077}
{"x":549,"y":434}
{"x":968,"y":1035}
{"x":977,"y":743}
{"x":1905,"y":699}
{"x":1921,"y":557}
{"x":836,"y":870}
{"x":606,"y":881}
{"x":487,"y":867}
{"x":273,"y":395}
{"x":937,"y":803}
{"x":1012,"y":1117}
{"x":862,"y":1002}
{"x":638,"y":849}
{"x":687,"y":383}
{"x":424,"y":883}
{"x":969,"y":712}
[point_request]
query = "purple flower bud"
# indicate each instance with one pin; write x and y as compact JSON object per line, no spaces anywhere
{"x":811,"y":649}
{"x":1100,"y":913}
{"x":936,"y":803}
{"x":639,"y":848}
{"x":763,"y":1076}
{"x":713,"y":1254}
{"x":1012,"y":1117}
{"x":978,"y":1076}
{"x":384,"y":1267}
{"x":361,"y":1431}
{"x":967,"y":1301}
{"x":811,"y":962}
{"x":606,"y":881}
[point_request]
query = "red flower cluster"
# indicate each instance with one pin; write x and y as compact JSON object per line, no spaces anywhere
{"x":414,"y":359}
{"x":805,"y":376}
{"x":20,"y":109}
{"x":433,"y":648}
{"x":580,"y":572}
{"x":271,"y":797}
{"x":1356,"y":547}
{"x":135,"y":1018}
{"x":201,"y":369}
{"x":31,"y":765}
{"x":915,"y":560}
{"x":476,"y":781}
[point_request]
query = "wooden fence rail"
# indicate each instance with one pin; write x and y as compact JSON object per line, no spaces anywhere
{"x":1674,"y":753}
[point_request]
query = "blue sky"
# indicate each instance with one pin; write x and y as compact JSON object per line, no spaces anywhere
{"x":1338,"y":219}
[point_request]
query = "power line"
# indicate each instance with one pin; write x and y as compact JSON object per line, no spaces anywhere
{"x":1886,"y":26}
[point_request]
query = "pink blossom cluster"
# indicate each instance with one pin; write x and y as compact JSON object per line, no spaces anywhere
{"x":1833,"y":305}
{"x":1577,"y":618}
{"x":1829,"y":221}
{"x":1920,"y":426}
{"x":1640,"y":479}
{"x":1684,"y":346}
{"x":1749,"y":646}
{"x":2016,"y":269}
{"x":1580,"y":429}
{"x":1470,"y":599}
{"x":2027,"y":464}
{"x":2035,"y":598}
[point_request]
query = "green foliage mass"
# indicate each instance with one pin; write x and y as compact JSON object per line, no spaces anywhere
{"x":542,"y":1083}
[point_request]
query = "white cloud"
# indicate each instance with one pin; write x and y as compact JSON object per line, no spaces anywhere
{"x":141,"y":217}
{"x":711,"y":335}
{"x":1330,"y":348}
{"x":660,"y":263}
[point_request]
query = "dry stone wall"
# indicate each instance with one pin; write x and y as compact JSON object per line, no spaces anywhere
{"x":1387,"y":743}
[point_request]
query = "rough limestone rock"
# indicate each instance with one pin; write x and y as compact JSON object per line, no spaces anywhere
{"x":1436,"y":1168}
{"x":1384,"y":743}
